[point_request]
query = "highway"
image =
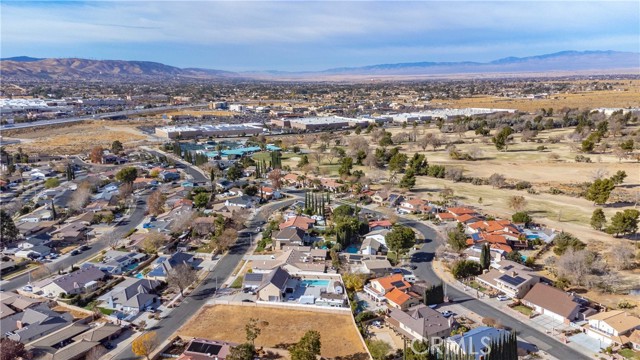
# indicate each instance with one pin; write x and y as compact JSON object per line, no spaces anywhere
{"x":66,"y":261}
{"x":205,"y":291}
{"x":95,"y":117}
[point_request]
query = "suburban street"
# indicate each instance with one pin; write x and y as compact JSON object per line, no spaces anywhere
{"x":66,"y":261}
{"x":193,"y":302}
{"x":195,"y":173}
{"x":423,"y":258}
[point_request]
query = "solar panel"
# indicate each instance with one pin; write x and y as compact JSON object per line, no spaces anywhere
{"x":515,"y":281}
{"x":204,"y":348}
{"x":398,"y":284}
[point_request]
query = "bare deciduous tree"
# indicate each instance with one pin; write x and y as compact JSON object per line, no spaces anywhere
{"x":575,"y":266}
{"x":80,"y":196}
{"x":517,"y":202}
{"x":183,"y":221}
{"x":111,"y":239}
{"x":599,"y":173}
{"x":497,"y":180}
{"x":623,"y":256}
{"x":153,"y":241}
{"x":226,"y":239}
{"x":181,"y":276}
{"x":155,"y":203}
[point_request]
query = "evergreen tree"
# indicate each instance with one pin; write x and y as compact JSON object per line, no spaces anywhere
{"x":485,"y":256}
{"x":598,"y":219}
{"x":53,"y":211}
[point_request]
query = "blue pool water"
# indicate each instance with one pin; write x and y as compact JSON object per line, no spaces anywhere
{"x":315,"y":283}
{"x":532,"y":237}
{"x":139,"y":276}
{"x":351,"y":249}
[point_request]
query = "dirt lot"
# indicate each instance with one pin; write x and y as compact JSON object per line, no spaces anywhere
{"x":285,"y":327}
{"x":76,"y":138}
{"x":590,"y":99}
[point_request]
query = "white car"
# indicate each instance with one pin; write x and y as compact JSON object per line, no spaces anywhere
{"x":503,"y":297}
{"x":27,"y":288}
{"x":447,"y":313}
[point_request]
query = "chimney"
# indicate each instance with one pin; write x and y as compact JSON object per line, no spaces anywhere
{"x":19,"y":324}
{"x":514,"y":274}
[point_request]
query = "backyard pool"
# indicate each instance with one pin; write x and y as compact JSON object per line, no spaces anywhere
{"x":139,"y":276}
{"x":315,"y":283}
{"x":351,"y":249}
{"x":532,"y":237}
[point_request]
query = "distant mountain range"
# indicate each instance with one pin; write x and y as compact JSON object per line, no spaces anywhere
{"x":566,"y":62}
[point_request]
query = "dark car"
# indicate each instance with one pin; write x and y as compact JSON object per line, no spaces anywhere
{"x":75,"y":252}
{"x":247,"y":300}
{"x":84,"y":248}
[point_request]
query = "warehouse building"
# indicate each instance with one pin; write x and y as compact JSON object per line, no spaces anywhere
{"x":195,"y":131}
{"x":319,"y":123}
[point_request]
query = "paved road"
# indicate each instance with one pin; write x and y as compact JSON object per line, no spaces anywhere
{"x":137,"y":215}
{"x":97,"y":117}
{"x":197,"y":175}
{"x":422,"y":259}
{"x":199,"y":297}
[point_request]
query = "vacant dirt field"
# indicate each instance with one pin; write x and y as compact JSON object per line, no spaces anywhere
{"x":339,"y":336}
{"x":76,"y":138}
{"x":625,"y":96}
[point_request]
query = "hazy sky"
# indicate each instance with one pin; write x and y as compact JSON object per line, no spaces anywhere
{"x":301,"y":35}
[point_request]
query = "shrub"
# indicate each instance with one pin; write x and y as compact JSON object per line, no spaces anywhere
{"x":555,"y":191}
{"x":465,"y":268}
{"x":521,"y":185}
{"x":583,"y":159}
{"x":541,"y":148}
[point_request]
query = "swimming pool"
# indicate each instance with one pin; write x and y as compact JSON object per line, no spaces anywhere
{"x":533,"y":237}
{"x":351,"y":249}
{"x":315,"y":283}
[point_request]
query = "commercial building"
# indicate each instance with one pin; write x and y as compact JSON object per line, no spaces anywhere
{"x":319,"y":123}
{"x":195,"y":131}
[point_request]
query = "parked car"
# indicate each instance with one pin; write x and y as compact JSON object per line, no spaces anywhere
{"x":27,"y":288}
{"x":503,"y":297}
{"x":84,"y":248}
{"x":75,"y":252}
{"x":247,"y":300}
{"x":447,"y":313}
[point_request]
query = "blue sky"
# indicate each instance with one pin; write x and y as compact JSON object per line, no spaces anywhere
{"x":302,"y":35}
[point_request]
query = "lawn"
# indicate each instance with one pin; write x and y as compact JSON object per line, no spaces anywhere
{"x":237,"y":283}
{"x":474,"y":284}
{"x":524,"y":310}
{"x":630,"y":354}
{"x":285,"y":326}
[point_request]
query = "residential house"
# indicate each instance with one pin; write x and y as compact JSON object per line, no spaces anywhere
{"x":612,"y":327}
{"x":33,"y":323}
{"x":203,"y":349}
{"x":476,"y":340}
{"x":419,"y":322}
{"x":411,"y":206}
{"x":71,"y":233}
{"x":80,"y":281}
{"x":376,"y":268}
{"x":269,"y":193}
{"x":375,"y":242}
{"x":379,"y":287}
{"x":634,"y":340}
{"x":509,"y":277}
{"x":275,"y":285}
{"x":459,"y":211}
{"x":394,"y":199}
{"x":294,"y":259}
{"x":117,"y":262}
{"x":445,"y":216}
{"x":290,"y":236}
{"x":301,"y":222}
{"x":379,"y":198}
{"x":402,"y":299}
{"x":102,"y":334}
{"x":553,"y":302}
{"x":244,"y":201}
{"x":164,"y":264}
{"x":380,"y":225}
{"x":168,"y":176}
{"x":132,"y":295}
{"x":253,"y":280}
